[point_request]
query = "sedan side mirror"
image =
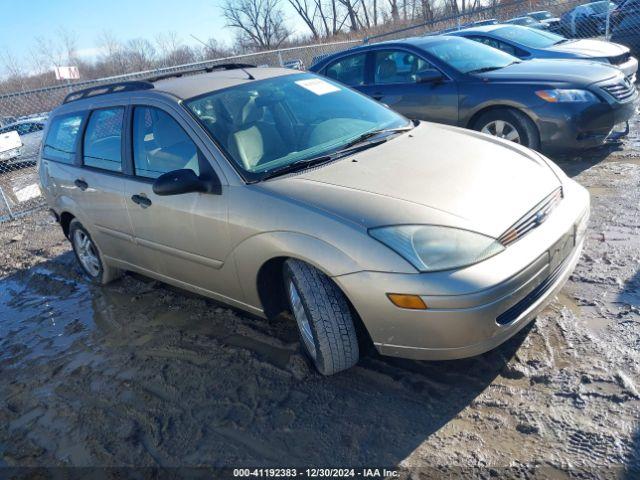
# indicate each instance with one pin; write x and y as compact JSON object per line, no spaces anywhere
{"x":429,"y":76}
{"x":182,"y":181}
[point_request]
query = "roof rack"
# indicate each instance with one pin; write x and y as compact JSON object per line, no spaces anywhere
{"x":211,"y":68}
{"x":146,"y":84}
{"x":108,"y":88}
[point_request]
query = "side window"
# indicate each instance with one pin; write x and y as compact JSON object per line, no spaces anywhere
{"x":102,"y":146}
{"x":160,"y":145}
{"x":350,"y":70}
{"x":398,"y":67}
{"x":24,"y":128}
{"x":61,"y":139}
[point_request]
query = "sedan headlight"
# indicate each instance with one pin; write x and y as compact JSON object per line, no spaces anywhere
{"x":558,"y":95}
{"x":431,"y":248}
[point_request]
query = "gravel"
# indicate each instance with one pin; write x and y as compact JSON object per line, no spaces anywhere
{"x":142,"y":374}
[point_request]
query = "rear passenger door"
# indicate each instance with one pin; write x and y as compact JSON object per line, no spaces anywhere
{"x":81,"y":174}
{"x":181,"y":237}
{"x":98,"y":185}
{"x":395,"y":83}
{"x":351,"y":70}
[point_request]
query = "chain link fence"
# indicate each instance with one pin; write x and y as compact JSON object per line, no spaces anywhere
{"x":23,"y":114}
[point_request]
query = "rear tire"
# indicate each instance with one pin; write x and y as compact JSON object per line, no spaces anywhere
{"x":509,"y":124}
{"x":89,"y":256}
{"x":324,"y":319}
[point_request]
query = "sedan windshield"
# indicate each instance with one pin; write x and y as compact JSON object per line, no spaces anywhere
{"x":601,"y":7}
{"x":267,"y":125}
{"x":468,"y":56}
{"x":541,"y":15}
{"x":529,"y":37}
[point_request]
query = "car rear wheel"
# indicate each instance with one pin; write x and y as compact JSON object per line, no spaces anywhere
{"x":323,"y":316}
{"x":89,"y":257}
{"x":510,"y":125}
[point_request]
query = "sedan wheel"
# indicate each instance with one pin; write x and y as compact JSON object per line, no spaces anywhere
{"x":502,"y":129}
{"x":302,"y":319}
{"x":509,"y":124}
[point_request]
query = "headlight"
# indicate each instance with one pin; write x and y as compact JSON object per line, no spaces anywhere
{"x":430,"y":248}
{"x":566,"y":96}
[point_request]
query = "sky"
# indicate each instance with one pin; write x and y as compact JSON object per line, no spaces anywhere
{"x":125,"y":19}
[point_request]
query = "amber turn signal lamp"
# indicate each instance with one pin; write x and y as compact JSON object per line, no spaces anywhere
{"x":413,"y":302}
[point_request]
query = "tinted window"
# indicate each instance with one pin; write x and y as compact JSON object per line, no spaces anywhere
{"x":103,"y":140}
{"x":61,"y":138}
{"x":398,"y":67}
{"x":468,"y":56}
{"x":349,"y":71}
{"x":160,"y":145}
{"x":529,"y":37}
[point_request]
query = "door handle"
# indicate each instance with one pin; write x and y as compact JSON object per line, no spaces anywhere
{"x":141,"y":200}
{"x":81,"y":184}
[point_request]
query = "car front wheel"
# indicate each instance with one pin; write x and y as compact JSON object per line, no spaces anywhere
{"x":323,"y":316}
{"x":509,"y":124}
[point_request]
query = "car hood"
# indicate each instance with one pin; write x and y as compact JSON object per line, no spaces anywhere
{"x":436,"y":174}
{"x":590,"y":48}
{"x":567,"y":72}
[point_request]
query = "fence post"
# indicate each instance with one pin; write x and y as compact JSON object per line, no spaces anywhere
{"x":6,"y":202}
{"x":608,"y":25}
{"x":280,"y":59}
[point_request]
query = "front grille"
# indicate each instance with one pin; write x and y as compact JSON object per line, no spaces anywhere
{"x":621,"y":91}
{"x":533,"y":219}
{"x":620,"y":59}
{"x":523,"y":305}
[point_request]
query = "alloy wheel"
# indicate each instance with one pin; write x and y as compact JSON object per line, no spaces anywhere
{"x":302,"y":319}
{"x":502,"y":129}
{"x":87,"y":253}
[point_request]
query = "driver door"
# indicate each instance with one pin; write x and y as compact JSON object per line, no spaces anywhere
{"x":180,"y":237}
{"x":395,"y":83}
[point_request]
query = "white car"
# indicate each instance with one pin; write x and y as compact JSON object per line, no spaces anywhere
{"x":10,"y":146}
{"x":30,"y":137}
{"x":586,"y":20}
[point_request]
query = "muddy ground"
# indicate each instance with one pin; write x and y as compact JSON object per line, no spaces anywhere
{"x":141,"y":374}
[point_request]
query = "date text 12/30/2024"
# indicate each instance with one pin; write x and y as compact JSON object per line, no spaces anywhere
{"x":315,"y":473}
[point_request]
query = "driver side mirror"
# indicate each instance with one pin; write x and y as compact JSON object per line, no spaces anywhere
{"x":429,"y":76}
{"x":178,"y":182}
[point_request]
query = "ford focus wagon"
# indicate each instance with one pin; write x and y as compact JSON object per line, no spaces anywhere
{"x":274,"y":189}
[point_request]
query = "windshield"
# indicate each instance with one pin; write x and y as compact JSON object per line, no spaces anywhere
{"x":266,"y":125}
{"x":602,"y":7}
{"x":529,"y":37}
{"x":522,"y":21}
{"x":468,"y":56}
{"x":541,"y":15}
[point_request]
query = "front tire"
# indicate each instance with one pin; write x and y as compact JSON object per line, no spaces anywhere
{"x":324,"y":319}
{"x":509,"y":124}
{"x":89,"y":256}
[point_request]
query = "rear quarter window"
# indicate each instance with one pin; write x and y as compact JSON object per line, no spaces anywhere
{"x":61,"y":141}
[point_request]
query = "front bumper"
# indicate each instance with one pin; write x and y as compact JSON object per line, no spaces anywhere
{"x":575,"y":126}
{"x":630,"y":68}
{"x":464,"y":305}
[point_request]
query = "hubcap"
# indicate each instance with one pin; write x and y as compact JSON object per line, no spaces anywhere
{"x":86,"y":253}
{"x":502,"y":129}
{"x":301,"y":319}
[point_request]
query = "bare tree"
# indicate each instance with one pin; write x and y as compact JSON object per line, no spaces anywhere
{"x":307,"y":10}
{"x":140,"y":54}
{"x":260,"y":23}
{"x":12,"y":66}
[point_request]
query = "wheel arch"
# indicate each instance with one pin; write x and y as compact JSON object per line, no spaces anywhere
{"x":259,"y":261}
{"x":505,"y":106}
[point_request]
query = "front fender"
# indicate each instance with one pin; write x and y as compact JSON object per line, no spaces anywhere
{"x":254,"y":252}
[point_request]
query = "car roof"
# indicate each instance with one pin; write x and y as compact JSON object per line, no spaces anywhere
{"x":485,"y":28}
{"x":198,"y":84}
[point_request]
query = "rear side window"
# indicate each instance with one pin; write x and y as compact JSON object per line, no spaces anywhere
{"x":160,"y":145}
{"x":102,"y":146}
{"x":60,"y":144}
{"x":350,"y":70}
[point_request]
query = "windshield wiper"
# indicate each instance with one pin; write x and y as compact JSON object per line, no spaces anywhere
{"x":351,"y":147}
{"x":490,"y":69}
{"x":373,"y":133}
